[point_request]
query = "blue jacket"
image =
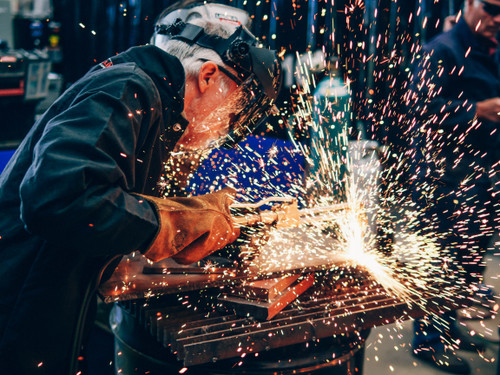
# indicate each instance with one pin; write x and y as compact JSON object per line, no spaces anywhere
{"x":66,"y":200}
{"x":458,"y":72}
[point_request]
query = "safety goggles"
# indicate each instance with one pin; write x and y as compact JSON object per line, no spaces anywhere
{"x":492,"y":9}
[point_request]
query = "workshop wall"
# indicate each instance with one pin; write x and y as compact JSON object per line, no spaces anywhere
{"x":373,"y":39}
{"x":92,"y":30}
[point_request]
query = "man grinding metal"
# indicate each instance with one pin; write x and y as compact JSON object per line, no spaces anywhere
{"x":83,"y":187}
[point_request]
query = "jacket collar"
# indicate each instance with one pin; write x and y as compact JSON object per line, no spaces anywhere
{"x":165,"y":70}
{"x":468,"y":38}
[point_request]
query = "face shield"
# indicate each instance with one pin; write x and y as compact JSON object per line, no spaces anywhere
{"x":257,"y":74}
{"x":252,"y":108}
{"x":232,"y":121}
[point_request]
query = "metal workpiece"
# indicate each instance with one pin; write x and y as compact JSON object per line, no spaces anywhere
{"x":200,"y":329}
{"x":299,"y":290}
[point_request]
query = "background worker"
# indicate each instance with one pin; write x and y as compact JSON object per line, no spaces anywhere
{"x":459,"y":85}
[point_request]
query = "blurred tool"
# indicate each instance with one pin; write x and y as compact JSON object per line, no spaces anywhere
{"x":284,"y":213}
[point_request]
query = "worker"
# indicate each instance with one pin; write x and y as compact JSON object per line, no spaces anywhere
{"x":459,"y":85}
{"x":84,"y":186}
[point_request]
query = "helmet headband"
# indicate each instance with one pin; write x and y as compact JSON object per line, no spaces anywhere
{"x":258,"y":75}
{"x":239,"y":51}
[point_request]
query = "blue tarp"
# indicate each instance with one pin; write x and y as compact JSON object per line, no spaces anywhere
{"x":5,"y":156}
{"x":262,"y":167}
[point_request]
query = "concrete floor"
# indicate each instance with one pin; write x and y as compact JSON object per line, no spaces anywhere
{"x":388,"y":349}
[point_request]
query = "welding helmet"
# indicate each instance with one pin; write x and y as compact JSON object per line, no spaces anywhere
{"x":257,"y":73}
{"x":189,"y":10}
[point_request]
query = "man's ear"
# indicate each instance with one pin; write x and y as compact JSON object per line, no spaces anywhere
{"x":207,"y":75}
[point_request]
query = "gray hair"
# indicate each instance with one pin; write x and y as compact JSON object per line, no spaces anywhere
{"x":192,"y":57}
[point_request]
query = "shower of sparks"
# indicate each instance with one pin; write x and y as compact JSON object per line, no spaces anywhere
{"x":380,"y":232}
{"x":341,"y":170}
{"x":354,"y":244}
{"x":359,"y":248}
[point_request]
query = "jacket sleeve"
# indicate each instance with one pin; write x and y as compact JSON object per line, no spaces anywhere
{"x":76,"y":193}
{"x":451,"y":114}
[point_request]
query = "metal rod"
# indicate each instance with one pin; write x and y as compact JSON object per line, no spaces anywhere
{"x":287,"y":216}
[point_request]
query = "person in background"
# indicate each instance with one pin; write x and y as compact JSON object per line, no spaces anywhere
{"x":85,"y":186}
{"x":458,"y":83}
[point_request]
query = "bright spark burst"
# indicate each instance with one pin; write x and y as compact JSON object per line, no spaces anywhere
{"x":411,"y":268}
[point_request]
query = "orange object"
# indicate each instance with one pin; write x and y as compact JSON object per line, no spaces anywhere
{"x":262,"y":310}
{"x":192,"y":228}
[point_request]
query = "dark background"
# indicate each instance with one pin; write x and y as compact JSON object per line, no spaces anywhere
{"x":119,"y":24}
{"x":374,"y":40}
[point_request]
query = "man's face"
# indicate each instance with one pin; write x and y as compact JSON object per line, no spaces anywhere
{"x":206,"y":101}
{"x":483,"y":16}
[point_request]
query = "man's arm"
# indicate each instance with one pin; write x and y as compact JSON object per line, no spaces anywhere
{"x":76,"y":194}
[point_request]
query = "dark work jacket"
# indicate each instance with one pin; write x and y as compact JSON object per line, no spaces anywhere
{"x":66,"y":202}
{"x":458,"y":72}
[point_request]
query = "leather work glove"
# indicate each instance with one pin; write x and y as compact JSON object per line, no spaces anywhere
{"x":192,"y":228}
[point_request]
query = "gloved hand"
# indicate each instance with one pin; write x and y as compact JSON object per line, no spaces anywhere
{"x":192,"y":228}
